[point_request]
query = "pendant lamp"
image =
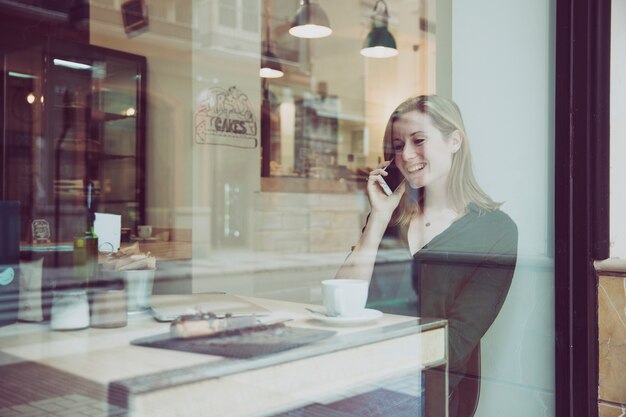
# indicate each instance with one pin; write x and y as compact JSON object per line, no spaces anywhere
{"x":310,"y":21}
{"x":270,"y":64}
{"x":380,"y":43}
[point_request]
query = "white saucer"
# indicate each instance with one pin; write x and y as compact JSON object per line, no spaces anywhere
{"x":367,"y":316}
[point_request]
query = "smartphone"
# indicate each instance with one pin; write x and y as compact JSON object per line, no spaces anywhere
{"x":393,"y":179}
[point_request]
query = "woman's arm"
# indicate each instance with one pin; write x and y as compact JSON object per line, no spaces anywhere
{"x":360,"y":263}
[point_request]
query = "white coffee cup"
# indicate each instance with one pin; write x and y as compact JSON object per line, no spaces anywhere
{"x":345,"y":297}
{"x":144,"y":231}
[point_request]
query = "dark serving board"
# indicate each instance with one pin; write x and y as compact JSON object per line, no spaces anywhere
{"x":249,"y":344}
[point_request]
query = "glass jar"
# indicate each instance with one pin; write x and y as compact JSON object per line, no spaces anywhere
{"x":70,"y":310}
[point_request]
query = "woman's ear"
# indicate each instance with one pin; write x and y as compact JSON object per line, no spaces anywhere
{"x":455,"y":141}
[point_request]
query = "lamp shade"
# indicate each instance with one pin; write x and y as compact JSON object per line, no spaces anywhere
{"x":310,"y":21}
{"x":270,"y":65}
{"x":379,"y":43}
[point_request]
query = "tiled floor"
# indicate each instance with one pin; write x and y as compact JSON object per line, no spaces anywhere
{"x":31,"y":390}
{"x":377,"y":403}
{"x":73,"y":405}
{"x":398,"y":397}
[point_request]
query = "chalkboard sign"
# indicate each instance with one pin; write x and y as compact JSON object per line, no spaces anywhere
{"x":41,"y":231}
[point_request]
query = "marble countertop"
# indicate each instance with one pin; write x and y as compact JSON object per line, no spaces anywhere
{"x":612,"y":265}
{"x":135,"y":374}
{"x":388,"y":327}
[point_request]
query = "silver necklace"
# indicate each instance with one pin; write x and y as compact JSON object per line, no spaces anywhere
{"x":426,"y":221}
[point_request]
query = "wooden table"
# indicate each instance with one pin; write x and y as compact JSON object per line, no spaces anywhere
{"x":156,"y":382}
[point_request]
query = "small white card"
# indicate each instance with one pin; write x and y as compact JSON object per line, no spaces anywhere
{"x":108,"y":228}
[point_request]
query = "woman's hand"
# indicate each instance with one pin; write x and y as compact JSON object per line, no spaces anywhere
{"x":381,"y":203}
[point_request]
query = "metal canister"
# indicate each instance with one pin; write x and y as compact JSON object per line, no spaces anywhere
{"x":108,"y":308}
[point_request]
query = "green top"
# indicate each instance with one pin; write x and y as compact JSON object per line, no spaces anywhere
{"x":462,"y":275}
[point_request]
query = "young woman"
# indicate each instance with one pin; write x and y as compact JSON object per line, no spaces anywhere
{"x":461,"y":250}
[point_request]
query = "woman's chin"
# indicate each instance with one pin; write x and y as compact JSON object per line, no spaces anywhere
{"x":415,"y":184}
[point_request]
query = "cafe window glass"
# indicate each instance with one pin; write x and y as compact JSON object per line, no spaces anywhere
{"x":215,"y":191}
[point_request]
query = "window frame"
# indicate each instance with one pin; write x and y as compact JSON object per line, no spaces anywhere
{"x":583,"y":29}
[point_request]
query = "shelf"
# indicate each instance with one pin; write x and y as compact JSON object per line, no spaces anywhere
{"x":78,"y":199}
{"x":109,"y":117}
{"x":108,"y":157}
{"x":314,"y":139}
{"x":96,"y":115}
{"x":71,"y":106}
{"x":120,"y":201}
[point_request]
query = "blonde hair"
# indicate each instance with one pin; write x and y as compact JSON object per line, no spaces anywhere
{"x":463,"y":188}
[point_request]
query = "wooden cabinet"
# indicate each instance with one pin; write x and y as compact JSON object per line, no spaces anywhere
{"x":77,"y":115}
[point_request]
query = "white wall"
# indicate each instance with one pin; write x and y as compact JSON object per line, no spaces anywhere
{"x":503,"y":81}
{"x":225,"y":172}
{"x":618,"y":129}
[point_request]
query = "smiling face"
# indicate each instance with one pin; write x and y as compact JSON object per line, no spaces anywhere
{"x":422,"y":153}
